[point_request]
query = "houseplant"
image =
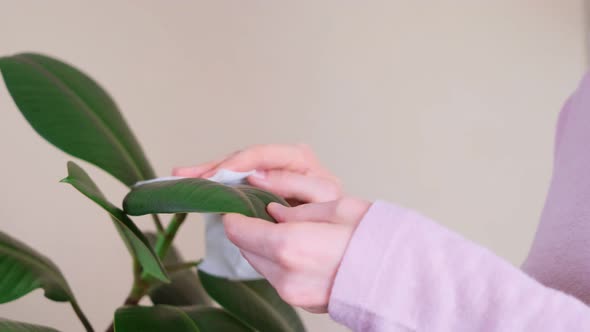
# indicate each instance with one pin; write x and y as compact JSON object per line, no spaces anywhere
{"x":71,"y":111}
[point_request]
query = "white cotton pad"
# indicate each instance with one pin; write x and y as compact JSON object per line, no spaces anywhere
{"x":222,"y":258}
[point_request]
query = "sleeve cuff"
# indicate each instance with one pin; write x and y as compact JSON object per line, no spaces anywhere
{"x":358,"y":278}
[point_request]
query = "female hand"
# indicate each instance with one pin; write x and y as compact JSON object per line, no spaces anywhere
{"x":290,"y":171}
{"x":299,"y":255}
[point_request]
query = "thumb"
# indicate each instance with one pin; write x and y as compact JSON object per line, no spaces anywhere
{"x":347,"y":210}
{"x":305,"y":188}
{"x":317,"y":212}
{"x":194,"y":171}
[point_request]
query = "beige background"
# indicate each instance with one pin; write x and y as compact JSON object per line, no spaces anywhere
{"x":446,"y":108}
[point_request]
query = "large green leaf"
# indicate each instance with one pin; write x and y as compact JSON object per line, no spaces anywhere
{"x":23,"y":269}
{"x":136,"y":242}
{"x":184,"y":289}
{"x":176,"y":319}
{"x":13,"y":326}
{"x":71,"y":111}
{"x":255,"y":302}
{"x":198,"y":195}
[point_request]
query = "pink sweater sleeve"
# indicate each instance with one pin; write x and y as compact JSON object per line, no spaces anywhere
{"x":403,"y":272}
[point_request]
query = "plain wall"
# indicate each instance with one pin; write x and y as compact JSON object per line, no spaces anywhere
{"x":445,"y":107}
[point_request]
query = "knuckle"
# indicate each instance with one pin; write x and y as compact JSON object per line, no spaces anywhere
{"x":286,"y":255}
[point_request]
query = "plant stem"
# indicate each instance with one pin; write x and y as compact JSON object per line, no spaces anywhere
{"x":165,"y":240}
{"x":132,"y":300}
{"x":158,"y":223}
{"x":81,"y":316}
{"x":165,"y":237}
{"x":138,"y":291}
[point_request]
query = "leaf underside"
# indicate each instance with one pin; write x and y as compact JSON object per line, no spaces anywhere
{"x":198,"y":195}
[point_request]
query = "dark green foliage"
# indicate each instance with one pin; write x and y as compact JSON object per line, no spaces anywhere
{"x":72,"y":111}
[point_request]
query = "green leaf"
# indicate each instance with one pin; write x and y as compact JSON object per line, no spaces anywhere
{"x":198,"y":195}
{"x":255,"y":302}
{"x":23,"y":269}
{"x":177,"y":319}
{"x":184,"y":289}
{"x":215,"y":319}
{"x":71,"y":111}
{"x":13,"y":326}
{"x":134,"y":239}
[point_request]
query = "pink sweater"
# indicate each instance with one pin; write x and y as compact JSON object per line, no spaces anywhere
{"x":403,"y":272}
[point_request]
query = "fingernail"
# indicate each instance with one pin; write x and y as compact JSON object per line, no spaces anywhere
{"x":275,"y":207}
{"x":275,"y":210}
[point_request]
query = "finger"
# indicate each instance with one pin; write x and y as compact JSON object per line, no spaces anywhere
{"x":252,"y":234}
{"x":298,"y":287}
{"x":194,"y":171}
{"x":294,"y":158}
{"x":287,"y":283}
{"x":298,"y":186}
{"x":317,"y":212}
{"x":266,"y":267}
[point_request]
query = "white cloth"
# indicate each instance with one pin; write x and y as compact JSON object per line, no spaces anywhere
{"x":222,"y":258}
